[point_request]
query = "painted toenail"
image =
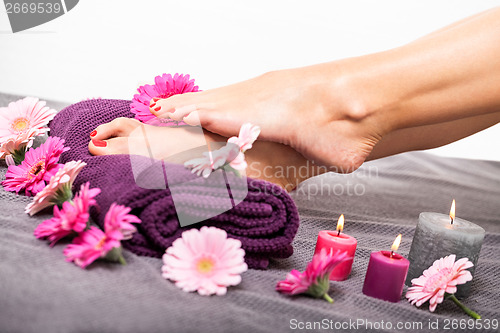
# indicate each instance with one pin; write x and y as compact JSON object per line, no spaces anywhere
{"x":99,"y":143}
{"x":157,"y":108}
{"x":152,"y":105}
{"x":156,"y":99}
{"x":93,"y":133}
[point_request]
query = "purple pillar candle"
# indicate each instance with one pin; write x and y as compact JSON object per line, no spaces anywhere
{"x":386,"y":274}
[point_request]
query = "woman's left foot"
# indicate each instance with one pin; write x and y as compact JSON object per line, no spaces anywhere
{"x":274,"y":162}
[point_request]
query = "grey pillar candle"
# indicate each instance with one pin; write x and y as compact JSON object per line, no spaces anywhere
{"x":436,"y":237}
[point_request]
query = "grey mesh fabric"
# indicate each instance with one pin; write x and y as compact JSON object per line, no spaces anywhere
{"x":40,"y":292}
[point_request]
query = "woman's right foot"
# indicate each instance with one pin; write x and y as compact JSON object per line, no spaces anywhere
{"x":306,"y":108}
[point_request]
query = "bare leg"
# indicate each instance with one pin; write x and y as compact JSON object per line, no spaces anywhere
{"x":431,"y":136}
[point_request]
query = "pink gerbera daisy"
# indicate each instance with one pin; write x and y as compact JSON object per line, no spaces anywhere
{"x":117,"y":222}
{"x":439,"y":279}
{"x":24,"y":114}
{"x":204,"y":260}
{"x":239,"y":163}
{"x":13,"y":149}
{"x":39,"y":165}
{"x":89,"y":246}
{"x":231,"y":156}
{"x":85,"y":197}
{"x":315,"y":280}
{"x":94,"y":243}
{"x":65,"y":222}
{"x":212,"y":160}
{"x":164,"y":87}
{"x":73,"y":216}
{"x":58,"y":189}
{"x":247,"y":136}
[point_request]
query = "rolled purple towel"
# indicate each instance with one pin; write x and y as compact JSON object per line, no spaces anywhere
{"x":265,"y":222}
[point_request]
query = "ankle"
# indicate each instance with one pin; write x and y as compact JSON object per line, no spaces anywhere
{"x":359,"y":97}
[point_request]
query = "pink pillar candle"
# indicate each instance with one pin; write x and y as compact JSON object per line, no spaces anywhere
{"x":385,"y":276}
{"x":328,"y":239}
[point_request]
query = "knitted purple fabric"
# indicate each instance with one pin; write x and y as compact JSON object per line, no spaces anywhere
{"x":265,"y":222}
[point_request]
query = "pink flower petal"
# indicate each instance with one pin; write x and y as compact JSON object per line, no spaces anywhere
{"x":320,"y":267}
{"x":442,"y":277}
{"x":23,"y":115}
{"x":165,"y":86}
{"x":48,"y":196}
{"x":30,"y":174}
{"x":204,"y":260}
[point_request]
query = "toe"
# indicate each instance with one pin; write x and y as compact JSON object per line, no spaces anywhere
{"x":119,"y":127}
{"x":164,"y":107}
{"x":192,"y":114}
{"x":197,"y":108}
{"x":108,"y":147}
{"x":183,"y":111}
{"x":192,"y":119}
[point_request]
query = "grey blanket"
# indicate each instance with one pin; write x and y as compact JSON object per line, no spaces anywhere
{"x":40,"y":292}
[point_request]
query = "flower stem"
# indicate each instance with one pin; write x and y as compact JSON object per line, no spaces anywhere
{"x":464,"y":308}
{"x":328,"y":298}
{"x":63,"y":194}
{"x":121,"y":260}
{"x":115,"y":254}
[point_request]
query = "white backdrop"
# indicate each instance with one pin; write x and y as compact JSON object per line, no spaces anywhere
{"x":108,"y":47}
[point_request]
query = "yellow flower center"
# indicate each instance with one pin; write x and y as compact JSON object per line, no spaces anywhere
{"x":20,"y":124}
{"x":100,"y":244}
{"x":205,"y":265}
{"x":36,"y":168}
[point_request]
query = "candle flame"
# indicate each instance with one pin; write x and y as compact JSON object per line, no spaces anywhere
{"x":396,"y":243}
{"x":452,"y":211}
{"x":340,"y":224}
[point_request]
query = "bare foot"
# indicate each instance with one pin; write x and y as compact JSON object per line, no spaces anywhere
{"x":274,"y":162}
{"x":306,"y":108}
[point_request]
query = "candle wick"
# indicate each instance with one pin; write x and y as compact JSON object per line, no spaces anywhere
{"x":451,"y":220}
{"x":392,"y":253}
{"x":338,"y":233}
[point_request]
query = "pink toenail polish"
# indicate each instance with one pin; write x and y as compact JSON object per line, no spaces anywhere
{"x":93,"y":133}
{"x":157,"y":108}
{"x":99,"y":143}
